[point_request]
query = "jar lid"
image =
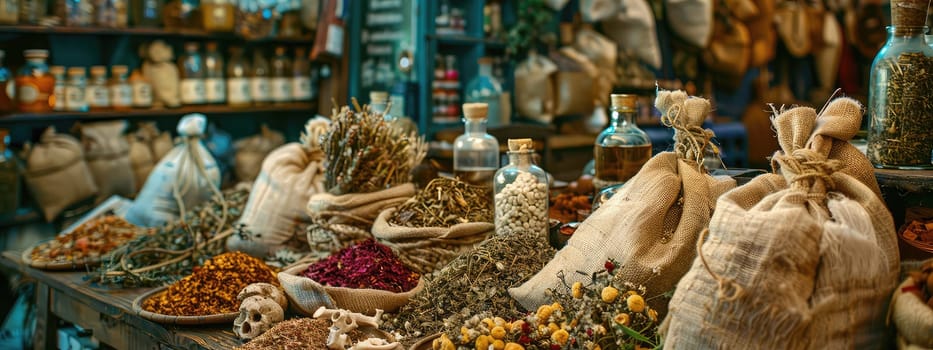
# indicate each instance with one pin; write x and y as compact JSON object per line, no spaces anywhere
{"x":36,"y":53}
{"x":76,"y":71}
{"x":57,"y":70}
{"x":521,"y":145}
{"x":378,"y":96}
{"x":485,"y":60}
{"x":98,"y":70}
{"x":623,"y":100}
{"x":909,"y":13}
{"x":119,"y":69}
{"x":211,"y":46}
{"x":191,"y":46}
{"x":475,"y":110}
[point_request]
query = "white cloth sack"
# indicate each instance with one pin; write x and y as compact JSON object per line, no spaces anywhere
{"x":56,"y":173}
{"x":534,"y":88}
{"x":633,"y":28}
{"x":108,"y":156}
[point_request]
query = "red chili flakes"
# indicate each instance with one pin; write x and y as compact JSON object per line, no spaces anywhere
{"x":368,"y":265}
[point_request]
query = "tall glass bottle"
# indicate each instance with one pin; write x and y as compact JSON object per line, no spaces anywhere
{"x":7,"y":87}
{"x":238,"y":79}
{"x":476,"y":153}
{"x":58,"y":93}
{"x":142,"y":90}
{"x":34,"y":84}
{"x":214,"y":85}
{"x":281,"y":82}
{"x":301,"y":76}
{"x":121,"y":92}
{"x":521,"y":192}
{"x":486,"y":89}
{"x":98,"y":92}
{"x":9,"y":176}
{"x":259,"y":80}
{"x":622,"y":148}
{"x":75,"y":100}
{"x":191,"y":66}
{"x":899,"y":111}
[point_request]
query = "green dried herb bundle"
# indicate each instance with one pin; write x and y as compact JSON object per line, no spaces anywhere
{"x":900,"y":132}
{"x":473,"y":282}
{"x":365,"y":154}
{"x":169,"y":252}
{"x":443,"y":203}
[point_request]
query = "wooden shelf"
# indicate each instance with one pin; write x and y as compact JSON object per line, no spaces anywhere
{"x":209,"y":110}
{"x":145,"y":32}
{"x":911,"y":181}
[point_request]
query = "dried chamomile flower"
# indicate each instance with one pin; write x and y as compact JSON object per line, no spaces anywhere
{"x":560,"y":337}
{"x":609,"y":294}
{"x":577,"y":290}
{"x":636,"y":303}
{"x":622,"y":319}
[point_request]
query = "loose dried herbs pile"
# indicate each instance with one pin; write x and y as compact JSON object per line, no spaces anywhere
{"x":566,"y":207}
{"x":87,"y":242}
{"x":298,"y":334}
{"x":473,"y":282}
{"x":900,"y":132}
{"x":366,"y":265}
{"x":920,"y":231}
{"x":443,"y":203}
{"x":213,"y":287}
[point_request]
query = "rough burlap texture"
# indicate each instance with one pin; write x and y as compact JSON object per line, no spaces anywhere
{"x":911,"y":315}
{"x":56,"y":173}
{"x":691,"y":20}
{"x":108,"y":156}
{"x":306,"y":296}
{"x":251,"y":151}
{"x":650,"y":226}
{"x":275,"y":215}
{"x":160,"y":143}
{"x":338,"y":220}
{"x":141,"y":160}
{"x":426,"y":249}
{"x":803,"y":260}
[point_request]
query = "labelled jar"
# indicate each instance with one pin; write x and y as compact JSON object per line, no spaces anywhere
{"x":281,"y":83}
{"x":34,"y":84}
{"x":98,"y":91}
{"x":238,"y":79}
{"x":75,"y":90}
{"x":214,"y":84}
{"x":301,"y":76}
{"x":218,"y":15}
{"x":9,"y":11}
{"x":121,"y":92}
{"x":142,"y":90}
{"x":193,"y":90}
{"x":521,"y":193}
{"x":259,"y":88}
{"x":58,"y":93}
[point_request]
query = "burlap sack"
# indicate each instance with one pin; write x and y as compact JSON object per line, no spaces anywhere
{"x":805,"y":259}
{"x":251,"y":151}
{"x":108,"y":156}
{"x":534,"y":90}
{"x":275,"y":216}
{"x":185,"y":177}
{"x":598,"y":10}
{"x":761,"y":30}
{"x":730,"y":50}
{"x":56,"y":173}
{"x":793,"y":28}
{"x":160,"y":143}
{"x":573,"y":83}
{"x":141,"y":160}
{"x":306,"y":295}
{"x":604,"y":55}
{"x":650,"y":226}
{"x":691,"y":20}
{"x":337,"y":221}
{"x":912,"y":316}
{"x":633,"y":28}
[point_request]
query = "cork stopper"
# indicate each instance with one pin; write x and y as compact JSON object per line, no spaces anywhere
{"x":378,"y":96}
{"x":98,"y":71}
{"x":119,"y":70}
{"x":36,"y":54}
{"x":76,"y":71}
{"x":521,"y":145}
{"x":57,"y":70}
{"x":623,"y":100}
{"x":475,"y":111}
{"x":909,"y":13}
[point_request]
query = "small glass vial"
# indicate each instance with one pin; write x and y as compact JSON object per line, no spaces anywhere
{"x":281,"y":83}
{"x":191,"y":66}
{"x":75,"y":90}
{"x":622,"y":148}
{"x":7,"y":87}
{"x":238,"y":79}
{"x":121,"y":92}
{"x":476,"y":152}
{"x":301,"y":76}
{"x":214,"y":84}
{"x":98,"y":93}
{"x":58,"y":93}
{"x":521,"y":193}
{"x":34,"y":84}
{"x":259,"y":80}
{"x":142,"y":90}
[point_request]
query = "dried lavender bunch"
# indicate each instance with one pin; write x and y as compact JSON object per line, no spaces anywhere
{"x":366,"y":154}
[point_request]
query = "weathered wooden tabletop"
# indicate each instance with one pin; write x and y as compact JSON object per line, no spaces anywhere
{"x":108,"y":313}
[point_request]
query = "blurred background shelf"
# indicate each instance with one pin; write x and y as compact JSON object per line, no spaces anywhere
{"x":209,"y":110}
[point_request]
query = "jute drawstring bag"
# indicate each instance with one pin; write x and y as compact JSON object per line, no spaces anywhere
{"x":56,"y":173}
{"x":650,"y":226}
{"x":160,"y":143}
{"x":802,"y":259}
{"x":108,"y":156}
{"x":251,"y":151}
{"x":141,"y":160}
{"x":275,"y":216}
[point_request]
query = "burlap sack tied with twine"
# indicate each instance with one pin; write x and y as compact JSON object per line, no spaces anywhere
{"x":56,"y":173}
{"x":650,"y":226}
{"x":306,"y":295}
{"x":108,"y":156}
{"x":275,"y":216}
{"x":912,"y":316}
{"x":251,"y":151}
{"x":805,"y":258}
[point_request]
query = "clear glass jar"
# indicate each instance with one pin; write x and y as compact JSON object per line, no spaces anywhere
{"x":77,"y":13}
{"x":215,"y":86}
{"x":111,"y":13}
{"x":121,"y":92}
{"x":142,"y":90}
{"x":9,"y":11}
{"x":191,"y":67}
{"x":34,"y":84}
{"x":259,"y":89}
{"x":32,"y":11}
{"x":146,"y":13}
{"x":622,"y":148}
{"x":75,"y":90}
{"x":301,"y":76}
{"x":238,"y":79}
{"x":281,"y":82}
{"x":486,"y":89}
{"x":899,"y":111}
{"x":379,"y":101}
{"x":10,"y":170}
{"x":58,"y":93}
{"x":476,"y":153}
{"x":7,"y":87}
{"x":98,"y":92}
{"x":521,"y":192}
{"x":218,"y":15}
{"x":181,"y":14}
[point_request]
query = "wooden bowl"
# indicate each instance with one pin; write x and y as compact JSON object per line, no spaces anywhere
{"x":175,"y":319}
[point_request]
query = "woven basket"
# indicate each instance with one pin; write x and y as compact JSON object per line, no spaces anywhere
{"x":174,"y":319}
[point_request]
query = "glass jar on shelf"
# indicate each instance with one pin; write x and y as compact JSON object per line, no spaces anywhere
{"x":486,"y":89}
{"x":899,"y":111}
{"x":622,"y":148}
{"x":182,"y":14}
{"x":476,"y":152}
{"x":76,"y":13}
{"x":214,"y":84}
{"x":32,"y":11}
{"x":75,"y":90}
{"x":281,"y":82}
{"x":191,"y":67}
{"x":10,"y":170}
{"x":58,"y":93}
{"x":238,"y":79}
{"x":218,"y":15}
{"x":7,"y":87}
{"x":142,"y":90}
{"x":146,"y":13}
{"x":379,"y":101}
{"x":98,"y":93}
{"x":255,"y":19}
{"x":521,"y":192}
{"x":121,"y":92}
{"x":9,"y":11}
{"x":259,"y":89}
{"x":34,"y":84}
{"x":111,"y":13}
{"x":301,"y":76}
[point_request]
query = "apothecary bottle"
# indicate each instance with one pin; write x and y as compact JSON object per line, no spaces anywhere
{"x":34,"y":84}
{"x":10,"y":170}
{"x":121,"y":92}
{"x":111,"y":13}
{"x":214,"y":84}
{"x":900,"y":111}
{"x":76,"y":13}
{"x":142,"y":90}
{"x":9,"y":11}
{"x":476,"y":152}
{"x":58,"y":92}
{"x":191,"y":66}
{"x":98,"y":93}
{"x":75,"y":89}
{"x":146,"y":13}
{"x":217,"y":15}
{"x":301,"y":76}
{"x":238,"y":79}
{"x":281,"y":82}
{"x":7,"y":87}
{"x":521,"y":192}
{"x":259,"y":80}
{"x":622,"y":148}
{"x":486,"y":89}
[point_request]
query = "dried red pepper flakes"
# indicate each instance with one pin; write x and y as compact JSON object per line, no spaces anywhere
{"x":366,"y":264}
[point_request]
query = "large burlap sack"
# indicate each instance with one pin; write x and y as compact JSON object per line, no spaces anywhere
{"x":598,"y":10}
{"x":160,"y":143}
{"x":691,"y":20}
{"x":275,"y":216}
{"x":306,"y":295}
{"x":338,"y":220}
{"x":805,"y":259}
{"x":141,"y":160}
{"x":56,"y":173}
{"x":794,"y":28}
{"x":650,"y":226}
{"x":251,"y":151}
{"x":534,"y":90}
{"x":185,"y":177}
{"x":573,"y":83}
{"x":633,"y":28}
{"x":730,"y":50}
{"x":108,"y":156}
{"x":604,"y":55}
{"x":912,"y":316}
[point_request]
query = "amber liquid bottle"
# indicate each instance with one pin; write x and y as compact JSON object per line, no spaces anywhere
{"x":622,"y":148}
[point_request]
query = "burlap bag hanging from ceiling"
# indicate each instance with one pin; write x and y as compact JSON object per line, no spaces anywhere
{"x":633,"y":29}
{"x":761,"y":30}
{"x":274,"y":217}
{"x":534,"y":90}
{"x":108,"y":156}
{"x":729,"y":52}
{"x":56,"y":173}
{"x":141,"y":160}
{"x":691,"y":20}
{"x":804,"y":259}
{"x":251,"y":151}
{"x":793,"y":27}
{"x":650,"y":226}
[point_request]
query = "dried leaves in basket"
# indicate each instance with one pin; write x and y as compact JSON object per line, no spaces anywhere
{"x":443,"y":203}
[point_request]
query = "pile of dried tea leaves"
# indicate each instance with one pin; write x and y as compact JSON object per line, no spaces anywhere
{"x":443,"y":203}
{"x":473,"y":282}
{"x":902,"y":134}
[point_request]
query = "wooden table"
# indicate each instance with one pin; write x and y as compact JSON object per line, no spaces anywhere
{"x":107,"y":312}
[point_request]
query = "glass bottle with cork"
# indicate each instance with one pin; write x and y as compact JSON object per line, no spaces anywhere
{"x":142,"y":90}
{"x":7,"y":87}
{"x":98,"y":93}
{"x":622,"y":148}
{"x":900,"y":108}
{"x":75,"y":100}
{"x":58,"y":93}
{"x":486,"y":89}
{"x":121,"y":93}
{"x":10,"y":171}
{"x":217,"y":15}
{"x":281,"y":82}
{"x":34,"y":84}
{"x":238,"y":79}
{"x":191,"y":65}
{"x":259,"y":80}
{"x":379,"y":102}
{"x":476,"y":152}
{"x":301,"y":76}
{"x":214,"y":85}
{"x":521,"y":192}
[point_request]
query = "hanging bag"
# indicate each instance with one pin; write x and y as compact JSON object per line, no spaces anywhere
{"x":56,"y":173}
{"x":794,"y":28}
{"x":534,"y":90}
{"x":691,"y":20}
{"x":633,"y":29}
{"x":108,"y":156}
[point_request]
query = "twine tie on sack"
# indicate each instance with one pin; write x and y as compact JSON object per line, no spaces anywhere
{"x":178,"y":190}
{"x":690,"y":141}
{"x":808,"y":170}
{"x":725,"y":284}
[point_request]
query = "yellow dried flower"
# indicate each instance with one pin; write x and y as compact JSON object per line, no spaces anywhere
{"x":515,"y":326}
{"x":597,"y":347}
{"x":488,"y":322}
{"x":653,"y":315}
{"x":544,"y":313}
{"x":609,"y":294}
{"x":499,"y":321}
{"x":497,"y":332}
{"x":543,"y":330}
{"x":498,"y":345}
{"x":560,"y":337}
{"x":443,"y":343}
{"x":622,"y":319}
{"x":630,"y":293}
{"x":553,"y":327}
{"x":577,"y":290}
{"x":464,"y":335}
{"x":514,"y":346}
{"x":636,"y":303}
{"x":600,"y":330}
{"x":482,"y":342}
{"x":556,"y":306}
{"x":574,"y":323}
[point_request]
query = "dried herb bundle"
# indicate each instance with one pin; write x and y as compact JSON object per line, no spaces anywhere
{"x":473,"y":282}
{"x":364,"y":153}
{"x":170,"y":252}
{"x":443,"y":203}
{"x":900,"y":132}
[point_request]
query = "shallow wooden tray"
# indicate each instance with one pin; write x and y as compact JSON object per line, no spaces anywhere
{"x":177,"y":320}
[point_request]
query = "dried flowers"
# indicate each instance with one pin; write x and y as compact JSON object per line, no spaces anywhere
{"x":365,"y":265}
{"x":443,"y":203}
{"x":213,"y":287}
{"x":90,"y":240}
